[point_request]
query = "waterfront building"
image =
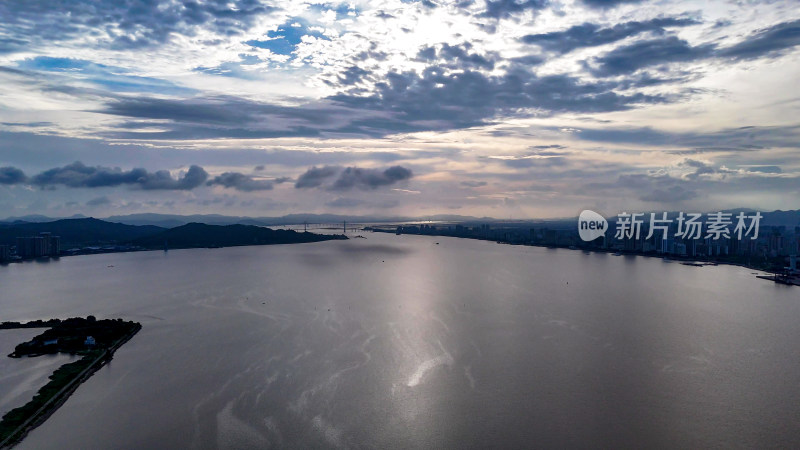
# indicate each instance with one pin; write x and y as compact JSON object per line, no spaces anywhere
{"x":35,"y":246}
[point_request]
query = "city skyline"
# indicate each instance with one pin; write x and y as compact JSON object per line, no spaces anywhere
{"x":529,"y":109}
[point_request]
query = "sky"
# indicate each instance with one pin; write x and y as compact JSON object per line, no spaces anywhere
{"x":512,"y":109}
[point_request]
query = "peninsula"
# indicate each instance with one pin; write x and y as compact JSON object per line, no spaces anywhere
{"x":94,"y":340}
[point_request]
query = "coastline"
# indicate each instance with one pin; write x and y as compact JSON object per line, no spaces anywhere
{"x":134,"y":250}
{"x":685,"y":260}
{"x":60,"y":397}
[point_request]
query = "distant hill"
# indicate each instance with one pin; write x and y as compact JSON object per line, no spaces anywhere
{"x":788,"y":219}
{"x":771,"y":218}
{"x":173,"y":220}
{"x":195,"y":235}
{"x":37,"y":218}
{"x":78,"y":232}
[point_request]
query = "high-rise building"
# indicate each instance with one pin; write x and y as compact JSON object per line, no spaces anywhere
{"x":5,"y":252}
{"x":25,"y":247}
{"x":35,"y":246}
{"x":55,"y":245}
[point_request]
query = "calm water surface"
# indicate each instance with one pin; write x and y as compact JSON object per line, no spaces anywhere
{"x":396,"y":342}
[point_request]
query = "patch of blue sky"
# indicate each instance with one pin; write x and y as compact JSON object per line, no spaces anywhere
{"x":344,"y":11}
{"x":113,"y":78}
{"x":285,"y":38}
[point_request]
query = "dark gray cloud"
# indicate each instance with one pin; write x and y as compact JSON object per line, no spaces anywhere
{"x":771,"y":41}
{"x":435,"y":100}
{"x":764,"y":169}
{"x":11,"y":45}
{"x":222,"y":116}
{"x":700,"y":168}
{"x":538,"y":148}
{"x":630,"y":58}
{"x":438,"y":99}
{"x":502,"y":9}
{"x":124,"y":24}
{"x":32,"y":150}
{"x":370,"y":178}
{"x":28,"y":124}
{"x":457,"y":56}
{"x":352,"y":75}
{"x":592,"y":35}
{"x":742,"y":139}
{"x":768,"y":41}
{"x":219,"y":111}
{"x":603,"y":4}
{"x":315,"y":176}
{"x":11,"y":175}
{"x":352,"y":177}
{"x":79,"y":175}
{"x":241,"y":182}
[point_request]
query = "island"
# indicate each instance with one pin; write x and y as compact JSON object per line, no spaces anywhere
{"x":94,"y":340}
{"x":199,"y":235}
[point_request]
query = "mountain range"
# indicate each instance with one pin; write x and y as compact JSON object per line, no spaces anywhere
{"x":790,"y":218}
{"x":92,"y":232}
{"x":151,"y":230}
{"x":77,"y":232}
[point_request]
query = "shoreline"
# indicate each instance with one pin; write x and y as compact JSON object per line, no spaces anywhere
{"x":47,"y":259}
{"x":677,"y":258}
{"x":60,"y":397}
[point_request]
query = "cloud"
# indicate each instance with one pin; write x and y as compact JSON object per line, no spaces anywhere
{"x":741,"y":139}
{"x":116,"y":79}
{"x":630,"y":58}
{"x":314,"y":176}
{"x":456,"y":56}
{"x":29,"y":124}
{"x":700,"y":168}
{"x":603,"y":4}
{"x":669,"y":194}
{"x":502,"y":9}
{"x":592,"y":35}
{"x":78,"y":175}
{"x":11,"y":175}
{"x":440,"y":99}
{"x":763,"y":169}
{"x":659,"y":187}
{"x":343,"y":202}
{"x":352,"y":177}
{"x":771,"y":41}
{"x":370,"y":178}
{"x":473,"y":184}
{"x":241,"y":182}
{"x":123,"y":25}
{"x":99,"y":201}
{"x":768,"y":41}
